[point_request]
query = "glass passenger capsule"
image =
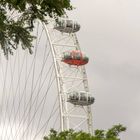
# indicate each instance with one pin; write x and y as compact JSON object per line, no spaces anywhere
{"x":75,"y":57}
{"x":67,"y":26}
{"x":80,"y":98}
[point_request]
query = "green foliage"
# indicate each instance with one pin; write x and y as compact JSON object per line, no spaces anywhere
{"x":18,"y":31}
{"x":110,"y":134}
{"x":114,"y":132}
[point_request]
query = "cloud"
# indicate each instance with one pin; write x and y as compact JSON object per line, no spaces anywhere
{"x":110,"y":32}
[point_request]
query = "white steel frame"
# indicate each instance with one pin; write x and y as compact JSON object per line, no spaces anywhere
{"x":69,"y":78}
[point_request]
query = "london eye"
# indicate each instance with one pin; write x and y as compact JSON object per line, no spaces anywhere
{"x":48,"y":89}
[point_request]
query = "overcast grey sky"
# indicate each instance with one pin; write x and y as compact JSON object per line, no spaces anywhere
{"x":110,"y":35}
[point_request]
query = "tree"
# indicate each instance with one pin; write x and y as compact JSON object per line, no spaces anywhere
{"x":18,"y":31}
{"x":110,"y":134}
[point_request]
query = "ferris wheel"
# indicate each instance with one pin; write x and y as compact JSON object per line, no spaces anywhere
{"x":48,"y":89}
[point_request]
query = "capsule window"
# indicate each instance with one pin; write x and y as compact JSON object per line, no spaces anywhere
{"x":67,"y":55}
{"x":78,"y":56}
{"x":69,"y":23}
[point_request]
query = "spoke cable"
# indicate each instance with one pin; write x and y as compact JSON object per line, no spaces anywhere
{"x":49,"y":86}
{"x":10,"y":88}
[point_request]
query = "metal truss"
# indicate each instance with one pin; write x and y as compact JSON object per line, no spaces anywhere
{"x":69,"y":79}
